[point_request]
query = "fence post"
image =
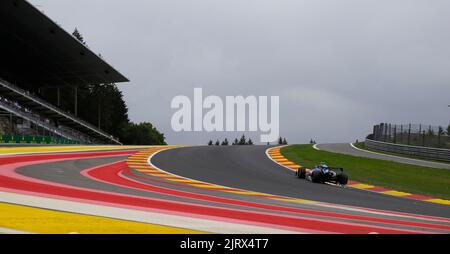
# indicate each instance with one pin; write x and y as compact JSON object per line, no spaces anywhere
{"x":409,"y":135}
{"x":423,"y":138}
{"x":439,"y":136}
{"x":401,"y":134}
{"x":395,"y":134}
{"x":385,"y":132}
{"x":390,"y":132}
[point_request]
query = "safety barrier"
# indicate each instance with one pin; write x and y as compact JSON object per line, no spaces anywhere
{"x":413,"y":151}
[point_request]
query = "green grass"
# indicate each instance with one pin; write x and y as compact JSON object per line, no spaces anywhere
{"x":403,"y":177}
{"x":361,"y":145}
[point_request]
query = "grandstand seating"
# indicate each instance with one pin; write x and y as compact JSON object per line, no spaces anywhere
{"x":38,"y":54}
{"x":26,"y":139}
{"x":24,"y":113}
{"x":18,"y":99}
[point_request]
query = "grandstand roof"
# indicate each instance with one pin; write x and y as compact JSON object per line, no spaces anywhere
{"x":36,"y":52}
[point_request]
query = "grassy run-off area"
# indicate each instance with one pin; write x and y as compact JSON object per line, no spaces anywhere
{"x":403,"y":177}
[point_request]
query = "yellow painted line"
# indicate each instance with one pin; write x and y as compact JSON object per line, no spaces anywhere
{"x":289,"y":163}
{"x":137,"y":161}
{"x":361,"y":186}
{"x":181,"y":180}
{"x":147,"y":170}
{"x":35,"y":220}
{"x":396,"y":193}
{"x":157,"y":174}
{"x":141,"y":167}
{"x":138,"y":164}
{"x":439,"y":201}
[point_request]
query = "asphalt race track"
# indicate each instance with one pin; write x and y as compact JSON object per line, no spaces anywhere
{"x":348,"y":149}
{"x":247,"y":167}
{"x":242,"y":192}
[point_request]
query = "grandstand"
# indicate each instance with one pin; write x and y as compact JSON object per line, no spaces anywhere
{"x":39,"y":56}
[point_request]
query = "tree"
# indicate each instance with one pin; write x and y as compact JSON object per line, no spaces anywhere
{"x":311,"y":142}
{"x":217,"y":143}
{"x":225,"y":142}
{"x":285,"y":141}
{"x":242,"y":141}
{"x":236,"y":142}
{"x":448,"y":132}
{"x":280,"y":141}
{"x":78,"y":36}
{"x":210,"y":143}
{"x":142,"y":134}
{"x":250,"y":142}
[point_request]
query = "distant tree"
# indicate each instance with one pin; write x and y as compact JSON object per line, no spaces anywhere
{"x":441,"y":131}
{"x":448,"y":132}
{"x":142,"y":134}
{"x":280,"y":141}
{"x":210,"y":143}
{"x":217,"y":143}
{"x":225,"y":142}
{"x":242,"y":141}
{"x":250,"y":142}
{"x":236,"y":142}
{"x":79,"y":37}
{"x":430,"y":132}
{"x":285,"y":141}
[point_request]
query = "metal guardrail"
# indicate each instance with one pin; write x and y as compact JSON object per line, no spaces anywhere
{"x":413,"y":151}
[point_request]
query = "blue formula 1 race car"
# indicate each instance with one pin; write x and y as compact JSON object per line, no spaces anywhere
{"x":323,"y":174}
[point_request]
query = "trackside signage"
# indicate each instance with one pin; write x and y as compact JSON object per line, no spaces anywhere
{"x":234,"y":113}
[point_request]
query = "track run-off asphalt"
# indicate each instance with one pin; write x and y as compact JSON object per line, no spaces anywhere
{"x":190,"y":190}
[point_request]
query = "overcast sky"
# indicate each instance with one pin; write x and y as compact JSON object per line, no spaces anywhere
{"x":339,"y":66}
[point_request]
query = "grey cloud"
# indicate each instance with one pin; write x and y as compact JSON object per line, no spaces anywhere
{"x":338,"y":66}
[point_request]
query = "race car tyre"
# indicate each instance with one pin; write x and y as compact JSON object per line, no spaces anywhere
{"x":342,"y":178}
{"x":301,"y":173}
{"x":317,"y":176}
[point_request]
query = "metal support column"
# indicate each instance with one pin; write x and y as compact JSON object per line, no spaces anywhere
{"x":76,"y":101}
